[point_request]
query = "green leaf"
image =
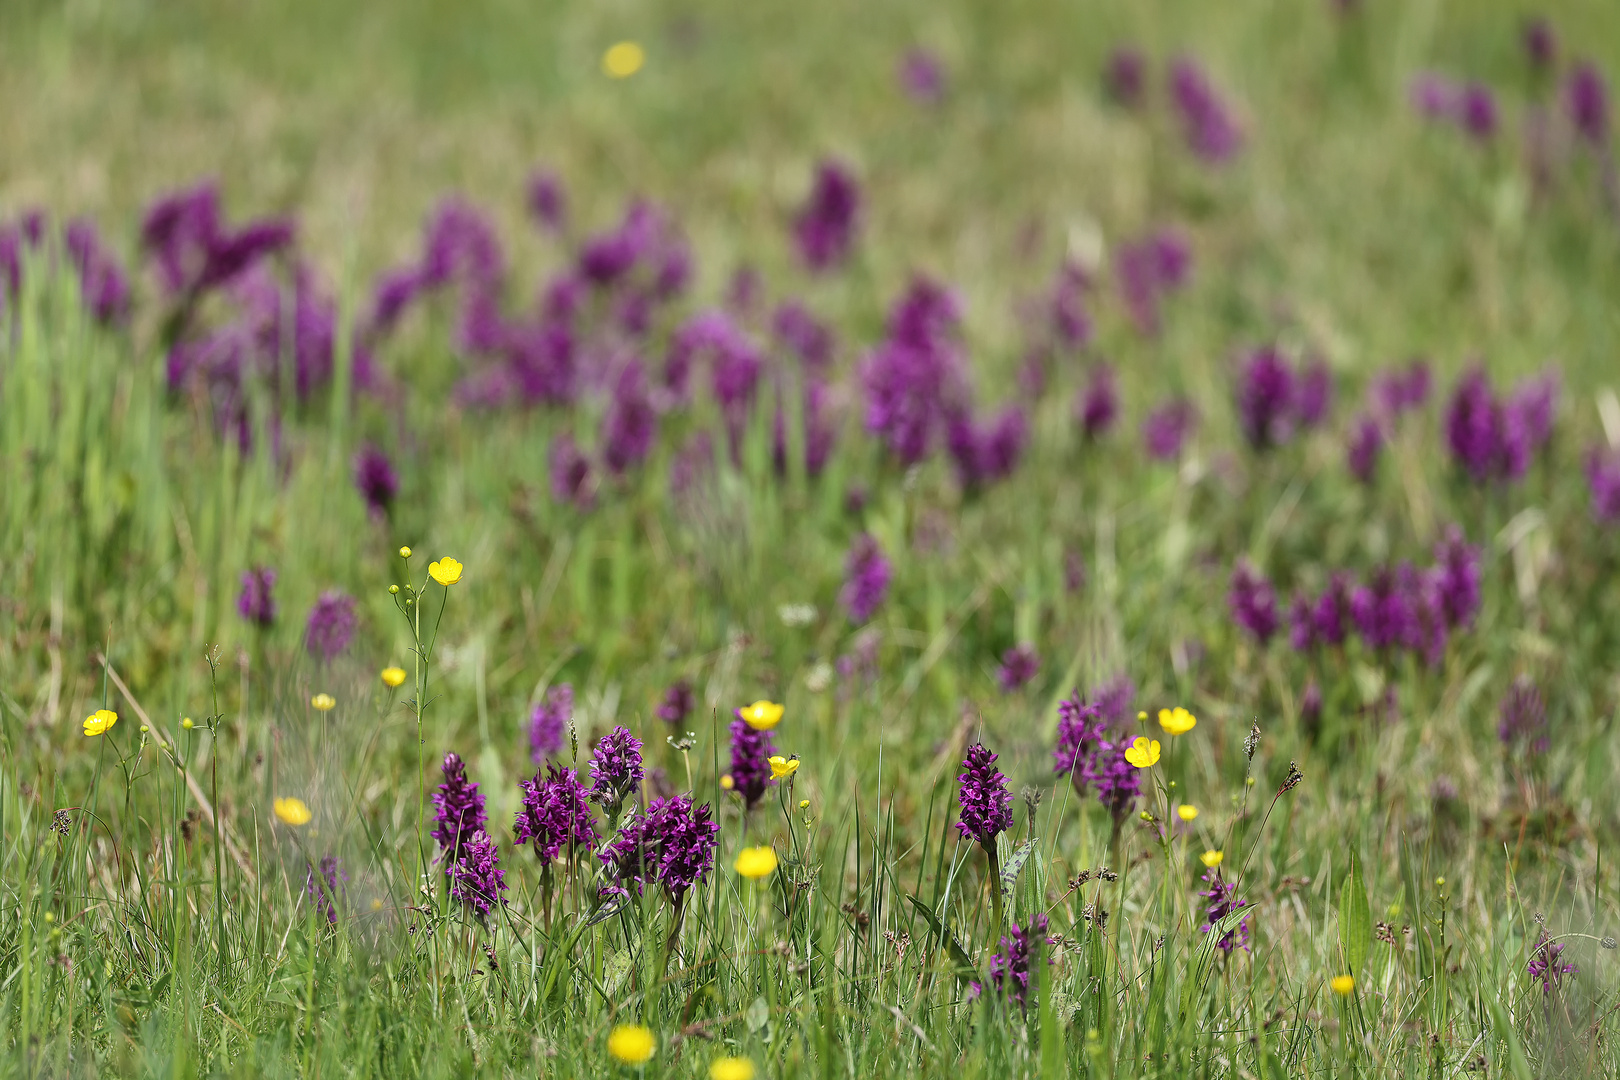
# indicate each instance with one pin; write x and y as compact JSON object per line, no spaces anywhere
{"x":965,"y":971}
{"x":1013,"y":865}
{"x":1355,"y":919}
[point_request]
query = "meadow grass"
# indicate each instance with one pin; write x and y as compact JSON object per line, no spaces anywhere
{"x":143,"y":934}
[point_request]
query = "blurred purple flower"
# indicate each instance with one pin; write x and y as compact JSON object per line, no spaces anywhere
{"x":1310,"y":705}
{"x":1267,"y":399}
{"x":1586,"y":100}
{"x":331,"y":626}
{"x":914,"y":379}
{"x":1115,"y":780}
{"x":1457,"y":578}
{"x":825,"y":227}
{"x":820,"y":434}
{"x":1476,"y":112}
{"x":1080,"y":728}
{"x":989,"y":452}
{"x":1603,"y":481}
{"x":548,"y":201}
{"x":1434,"y":96}
{"x":867,"y":573}
{"x":1547,"y":964}
{"x":1253,"y":602}
{"x":103,"y":284}
{"x":257,"y":604}
{"x":1009,"y":964}
{"x":1097,"y":406}
{"x":986,"y":805}
{"x":1314,"y":397}
{"x":1394,"y":392}
{"x":375,"y":479}
{"x":548,"y":723}
{"x":1540,"y":43}
{"x":571,"y":480}
{"x":807,"y":337}
{"x":1207,"y":123}
{"x":1114,"y":699}
{"x":678,"y":703}
{"x":751,"y":752}
{"x":1522,"y":717}
{"x":323,"y":887}
{"x":1019,"y":665}
{"x":1366,"y":443}
{"x":1125,"y":77}
{"x":458,"y":810}
{"x":1383,"y":611}
{"x":1149,"y":269}
{"x":554,"y":815}
{"x":922,"y":76}
{"x":631,"y":422}
{"x":1167,"y":427}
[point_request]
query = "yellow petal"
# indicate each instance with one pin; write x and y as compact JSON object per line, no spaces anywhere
{"x":623,"y":60}
{"x":292,"y":811}
{"x":323,"y":702}
{"x":393,"y":676}
{"x":756,"y":862}
{"x":761,"y":715}
{"x":1211,"y":858}
{"x":632,"y":1044}
{"x":446,"y":571}
{"x":731,"y":1068}
{"x":781,"y":767}
{"x":1343,"y":985}
{"x":1186,"y":812}
{"x":99,"y":721}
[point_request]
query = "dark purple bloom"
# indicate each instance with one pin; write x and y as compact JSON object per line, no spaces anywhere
{"x":1315,"y":395}
{"x":914,"y":380}
{"x":1527,"y":419}
{"x":678,"y":703}
{"x":331,"y":626}
{"x":1125,"y":77}
{"x":1366,"y":443}
{"x":1301,"y":630}
{"x":1267,"y":399}
{"x":631,"y":422}
{"x":867,"y":573}
{"x":1457,"y":578}
{"x":571,"y":480}
{"x":825,"y":227}
{"x":1586,"y":99}
{"x":548,"y":723}
{"x":1540,"y":43}
{"x":803,"y":334}
{"x":1476,"y":112}
{"x":1009,"y":965}
{"x":1383,"y":611}
{"x":323,"y":886}
{"x":615,"y":766}
{"x":102,"y":283}
{"x":232,"y":254}
{"x":1473,"y":424}
{"x":1019,"y":665}
{"x":1547,"y":964}
{"x":985,"y":802}
{"x":374,"y":476}
{"x":257,"y":604}
{"x":1522,"y":716}
{"x":1253,"y":602}
{"x":477,"y":879}
{"x":1098,"y":404}
{"x":1211,"y":131}
{"x":1166,"y":429}
{"x":1115,"y":780}
{"x":548,"y":201}
{"x":922,"y":76}
{"x":1603,"y":480}
{"x":179,"y":231}
{"x":1330,"y":615}
{"x":1114,"y":699}
{"x":1149,"y":269}
{"x":987,"y":452}
{"x":391,"y":296}
{"x":458,"y":808}
{"x":1080,"y":728}
{"x":751,"y":752}
{"x":554,"y":815}
{"x":1223,"y":901}
{"x":671,"y":845}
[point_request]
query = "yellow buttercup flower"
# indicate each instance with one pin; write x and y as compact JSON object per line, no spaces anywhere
{"x":762,"y":715}
{"x":1343,"y":985}
{"x":1212,"y":858}
{"x":1186,"y":811}
{"x":727,"y":782}
{"x":1177,"y":721}
{"x":782,"y":768}
{"x":292,"y":811}
{"x":731,"y":1068}
{"x":1143,"y":753}
{"x":323,"y":702}
{"x":393,"y":676}
{"x":756,"y":862}
{"x":99,"y":721}
{"x":623,"y":60}
{"x":632,"y":1044}
{"x":446,"y":571}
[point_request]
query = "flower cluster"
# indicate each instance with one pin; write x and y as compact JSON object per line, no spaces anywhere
{"x":1080,"y":728}
{"x":678,"y":703}
{"x":1019,"y":665}
{"x":914,"y":380}
{"x":1009,"y":965}
{"x":103,"y":284}
{"x":1222,"y":900}
{"x":616,"y":768}
{"x":548,"y":723}
{"x":1274,"y":399}
{"x":331,"y":626}
{"x":323,"y":887}
{"x":1470,"y":106}
{"x":554,"y":814}
{"x":257,"y":602}
{"x":825,"y":228}
{"x":1149,"y":269}
{"x":1207,"y":123}
{"x":476,"y":878}
{"x":458,"y":810}
{"x":1166,"y":428}
{"x":1603,"y":480}
{"x":751,"y":753}
{"x":1096,"y":407}
{"x":867,"y":573}
{"x":985,"y":802}
{"x":1547,"y":964}
{"x":1253,"y":602}
{"x":1494,"y":439}
{"x":672,"y":845}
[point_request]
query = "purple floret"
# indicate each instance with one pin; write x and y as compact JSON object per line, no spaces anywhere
{"x":1267,"y":399}
{"x":751,"y":752}
{"x":1080,"y":728}
{"x":458,"y":810}
{"x":1207,"y":123}
{"x":1223,"y":901}
{"x":554,"y":815}
{"x":1603,"y":482}
{"x":616,"y":768}
{"x":1457,"y":578}
{"x":1009,"y":965}
{"x":1097,"y":407}
{"x":825,"y":227}
{"x":985,"y":803}
{"x":1019,"y":665}
{"x":671,"y":845}
{"x":1366,"y":444}
{"x":1586,"y":100}
{"x":477,"y":879}
{"x":257,"y":602}
{"x":1166,"y":429}
{"x":323,"y":887}
{"x":376,"y":480}
{"x":1547,"y":964}
{"x":678,"y":703}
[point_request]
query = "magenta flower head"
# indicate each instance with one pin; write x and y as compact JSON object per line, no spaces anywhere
{"x":1586,"y":100}
{"x":867,"y":573}
{"x":1476,"y":111}
{"x":477,"y":879}
{"x":922,"y":76}
{"x":257,"y":602}
{"x":985,"y":802}
{"x":1267,"y":399}
{"x":1080,"y":728}
{"x":549,"y":722}
{"x":825,"y":227}
{"x":616,"y":768}
{"x":1114,"y":699}
{"x":1148,"y":270}
{"x":1547,"y":964}
{"x":1115,"y":780}
{"x":323,"y":887}
{"x":1366,"y":444}
{"x":1540,"y":43}
{"x":914,"y":380}
{"x":987,"y":452}
{"x":103,"y":285}
{"x":1522,"y":717}
{"x":751,"y":752}
{"x":1253,"y":602}
{"x":1474,"y":427}
{"x":1125,"y":77}
{"x":631,"y":422}
{"x":554,"y":815}
{"x":571,"y":479}
{"x":1207,"y":123}
{"x":1434,"y":96}
{"x":1314,"y":398}
{"x":1457,"y":578}
{"x":1019,"y":665}
{"x":1009,"y":966}
{"x":331,"y":626}
{"x":804,"y":335}
{"x":458,"y":810}
{"x":678,"y":703}
{"x":1166,"y":428}
{"x":671,"y":845}
{"x":1222,"y":900}
{"x":1383,"y":612}
{"x":548,"y":201}
{"x":1603,"y":481}
{"x":375,"y":479}
{"x":1097,"y":407}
